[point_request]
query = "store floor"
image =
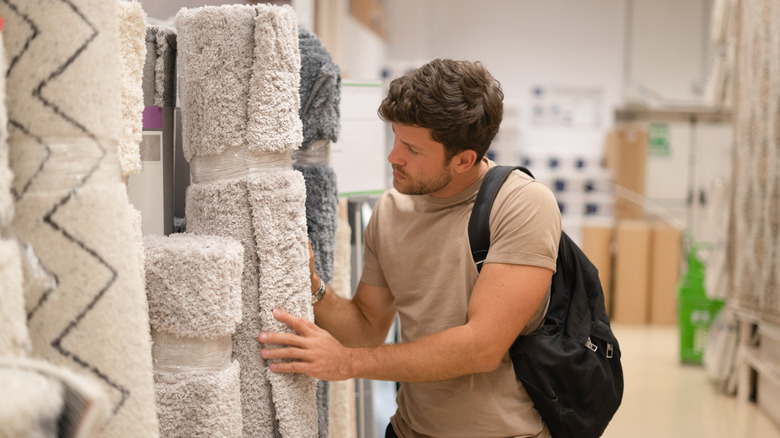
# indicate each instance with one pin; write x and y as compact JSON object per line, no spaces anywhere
{"x":664,"y":398}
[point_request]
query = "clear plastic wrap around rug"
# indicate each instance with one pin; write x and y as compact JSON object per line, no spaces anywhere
{"x":64,"y":111}
{"x":194,"y":287}
{"x":266,"y":214}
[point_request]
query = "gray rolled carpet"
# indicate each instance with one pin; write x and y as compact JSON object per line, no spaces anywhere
{"x":320,"y":91}
{"x":159,"y":70}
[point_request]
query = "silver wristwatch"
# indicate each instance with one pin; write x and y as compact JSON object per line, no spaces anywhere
{"x":316,"y":296}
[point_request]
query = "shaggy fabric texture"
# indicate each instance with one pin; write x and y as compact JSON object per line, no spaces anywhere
{"x":165,"y":68}
{"x":266,"y":214}
{"x":279,"y":219}
{"x":322,"y":205}
{"x":224,"y":210}
{"x":320,"y":90}
{"x":31,"y":405}
{"x":43,"y":396}
{"x":341,"y":407}
{"x":6,"y":176}
{"x":193,"y":284}
{"x":159,"y":71}
{"x":239,"y":72}
{"x":14,"y":338}
{"x":194,"y":288}
{"x":75,"y":42}
{"x":64,"y":110}
{"x":200,"y":403}
{"x":754,"y":226}
{"x":132,"y":30}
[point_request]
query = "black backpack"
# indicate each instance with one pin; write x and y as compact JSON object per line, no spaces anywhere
{"x":570,"y":366}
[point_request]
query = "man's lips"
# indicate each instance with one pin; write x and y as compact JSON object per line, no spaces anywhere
{"x":397,"y":174}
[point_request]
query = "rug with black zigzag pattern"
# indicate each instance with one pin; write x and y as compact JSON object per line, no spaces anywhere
{"x":64,"y":111}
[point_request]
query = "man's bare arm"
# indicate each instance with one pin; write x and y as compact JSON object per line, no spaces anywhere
{"x":503,"y":301}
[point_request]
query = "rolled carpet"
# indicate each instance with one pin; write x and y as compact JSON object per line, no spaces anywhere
{"x":132,"y":31}
{"x":165,"y":67}
{"x":215,"y":49}
{"x":194,"y":288}
{"x":266,"y":213}
{"x":321,"y":216}
{"x":64,"y":68}
{"x":159,"y":71}
{"x":274,"y":124}
{"x":14,"y":340}
{"x":341,"y":409}
{"x":278,"y":214}
{"x":239,"y":73}
{"x":34,"y":407}
{"x":48,"y":401}
{"x":222,"y":209}
{"x":200,"y":403}
{"x":193,"y":284}
{"x":6,"y":176}
{"x":320,"y":91}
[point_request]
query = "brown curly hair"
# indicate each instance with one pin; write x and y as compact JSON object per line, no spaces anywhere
{"x":459,"y":101}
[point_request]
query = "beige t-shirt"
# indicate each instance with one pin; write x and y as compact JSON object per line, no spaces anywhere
{"x":418,"y":247}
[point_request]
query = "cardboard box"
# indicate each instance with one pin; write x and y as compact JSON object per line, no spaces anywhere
{"x":631,"y":292}
{"x":597,"y":245}
{"x":626,"y":157}
{"x":664,"y":273}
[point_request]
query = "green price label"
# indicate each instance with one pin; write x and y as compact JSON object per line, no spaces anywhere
{"x":658,"y":138}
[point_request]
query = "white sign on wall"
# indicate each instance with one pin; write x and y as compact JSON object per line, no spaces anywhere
{"x":358,"y":158}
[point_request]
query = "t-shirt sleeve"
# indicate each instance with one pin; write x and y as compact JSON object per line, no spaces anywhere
{"x":525,"y":224}
{"x":372,"y":270}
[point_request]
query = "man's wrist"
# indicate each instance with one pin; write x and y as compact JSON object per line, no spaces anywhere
{"x":319,"y":292}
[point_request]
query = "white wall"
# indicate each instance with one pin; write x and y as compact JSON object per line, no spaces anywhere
{"x":551,"y":43}
{"x":601,"y":47}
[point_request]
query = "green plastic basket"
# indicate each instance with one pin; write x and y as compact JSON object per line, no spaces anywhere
{"x":696,"y":311}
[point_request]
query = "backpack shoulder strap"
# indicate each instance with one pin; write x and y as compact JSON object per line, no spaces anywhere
{"x":479,"y":222}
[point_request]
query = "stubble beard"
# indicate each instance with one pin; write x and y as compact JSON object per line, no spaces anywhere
{"x":411,"y":186}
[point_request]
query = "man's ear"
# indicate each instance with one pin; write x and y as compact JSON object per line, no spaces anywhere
{"x":464,"y":160}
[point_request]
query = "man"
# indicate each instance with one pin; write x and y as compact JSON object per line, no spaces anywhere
{"x":456,"y":326}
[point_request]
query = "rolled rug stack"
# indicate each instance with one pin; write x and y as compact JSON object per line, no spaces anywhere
{"x":65,"y":120}
{"x":320,"y":92}
{"x":239,"y":74}
{"x":193,"y":285}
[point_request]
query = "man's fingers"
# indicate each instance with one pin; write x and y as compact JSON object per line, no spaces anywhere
{"x":282,"y":353}
{"x":300,"y":325}
{"x":280,"y":339}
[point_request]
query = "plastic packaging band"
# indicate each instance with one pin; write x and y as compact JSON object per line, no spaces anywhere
{"x":171,"y":353}
{"x":55,"y":164}
{"x":236,"y":164}
{"x":318,"y":153}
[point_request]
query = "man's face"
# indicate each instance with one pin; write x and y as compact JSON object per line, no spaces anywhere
{"x":419,"y":164}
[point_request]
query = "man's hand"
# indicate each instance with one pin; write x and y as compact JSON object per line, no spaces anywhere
{"x":313,"y":351}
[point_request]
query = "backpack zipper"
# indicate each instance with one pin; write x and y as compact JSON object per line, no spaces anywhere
{"x":591,"y":345}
